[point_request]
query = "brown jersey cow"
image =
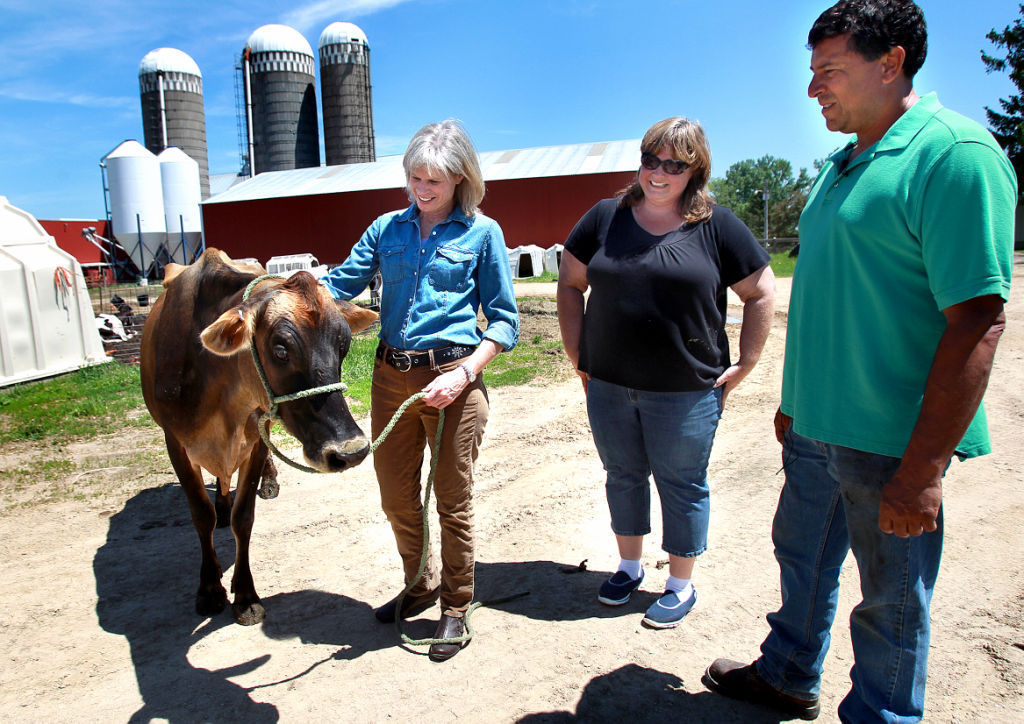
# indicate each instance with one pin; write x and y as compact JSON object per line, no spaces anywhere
{"x":202,"y":387}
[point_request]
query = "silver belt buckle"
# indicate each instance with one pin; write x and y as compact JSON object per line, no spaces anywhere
{"x":401,"y":361}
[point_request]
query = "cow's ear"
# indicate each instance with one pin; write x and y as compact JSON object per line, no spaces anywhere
{"x":358,"y":318}
{"x":230,"y":332}
{"x":172,"y":270}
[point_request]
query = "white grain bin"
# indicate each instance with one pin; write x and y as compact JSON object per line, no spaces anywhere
{"x":46,"y":321}
{"x":552,"y":258}
{"x":526,"y":261}
{"x":179,"y":177}
{"x":137,"y":205}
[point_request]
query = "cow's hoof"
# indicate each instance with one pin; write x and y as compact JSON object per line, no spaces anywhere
{"x":269,"y":489}
{"x":249,"y":615}
{"x":210,"y":603}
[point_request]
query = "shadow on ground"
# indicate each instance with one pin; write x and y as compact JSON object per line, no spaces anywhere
{"x":637,"y":694}
{"x":147,"y":572}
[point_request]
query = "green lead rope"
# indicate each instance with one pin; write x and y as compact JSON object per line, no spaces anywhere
{"x":264,"y":429}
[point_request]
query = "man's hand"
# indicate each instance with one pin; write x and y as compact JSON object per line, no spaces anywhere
{"x":910,"y":505}
{"x":782,"y":423}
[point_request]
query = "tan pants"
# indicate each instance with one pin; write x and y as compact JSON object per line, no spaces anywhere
{"x":398,"y":462}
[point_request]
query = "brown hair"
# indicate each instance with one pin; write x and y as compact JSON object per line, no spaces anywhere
{"x":686,"y":141}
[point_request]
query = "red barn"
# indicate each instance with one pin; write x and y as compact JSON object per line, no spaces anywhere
{"x":535,"y":194}
{"x":68,"y":235}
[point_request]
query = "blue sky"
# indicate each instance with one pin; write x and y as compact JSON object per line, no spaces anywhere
{"x":519,"y":73}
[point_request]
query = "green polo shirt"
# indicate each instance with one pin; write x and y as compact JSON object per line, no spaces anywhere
{"x":918,"y":222}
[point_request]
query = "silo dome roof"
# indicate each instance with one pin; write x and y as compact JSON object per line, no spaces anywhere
{"x":342,"y":33}
{"x":173,"y":154}
{"x":168,"y":59}
{"x":130,"y":149}
{"x":278,"y":37}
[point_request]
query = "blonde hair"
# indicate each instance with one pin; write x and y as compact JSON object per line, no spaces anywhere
{"x":444,"y":148}
{"x":685,"y":141}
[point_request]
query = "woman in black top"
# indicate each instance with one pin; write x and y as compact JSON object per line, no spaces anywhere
{"x":652,"y":351}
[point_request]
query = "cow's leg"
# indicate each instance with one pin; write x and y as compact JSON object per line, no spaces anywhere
{"x":223,"y":502}
{"x":211,"y":598}
{"x":268,"y":484}
{"x":247,"y":607}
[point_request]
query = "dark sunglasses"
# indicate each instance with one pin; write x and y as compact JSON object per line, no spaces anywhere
{"x":671,"y":166}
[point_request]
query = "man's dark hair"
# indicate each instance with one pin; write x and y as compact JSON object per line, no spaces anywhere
{"x":875,"y":27}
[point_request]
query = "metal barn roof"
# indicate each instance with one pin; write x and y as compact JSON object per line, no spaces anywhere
{"x":387,"y":173}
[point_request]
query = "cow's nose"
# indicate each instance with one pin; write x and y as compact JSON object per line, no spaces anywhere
{"x":338,"y":457}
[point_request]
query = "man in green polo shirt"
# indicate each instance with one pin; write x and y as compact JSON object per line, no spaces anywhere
{"x":906,"y":247}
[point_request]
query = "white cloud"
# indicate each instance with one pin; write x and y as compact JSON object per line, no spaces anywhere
{"x":87,"y":100}
{"x":308,"y":17}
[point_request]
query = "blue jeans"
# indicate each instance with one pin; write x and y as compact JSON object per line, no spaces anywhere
{"x":829,"y":506}
{"x":669,"y":435}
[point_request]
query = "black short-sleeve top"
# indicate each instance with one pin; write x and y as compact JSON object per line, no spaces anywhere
{"x":655,"y":317}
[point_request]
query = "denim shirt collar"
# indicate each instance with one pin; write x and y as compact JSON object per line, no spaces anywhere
{"x":413,"y":214}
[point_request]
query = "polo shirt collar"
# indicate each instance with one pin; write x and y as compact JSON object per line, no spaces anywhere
{"x":900,"y":134}
{"x":909,"y":124}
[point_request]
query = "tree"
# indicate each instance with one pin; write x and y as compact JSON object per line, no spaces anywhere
{"x":1008,"y":126}
{"x":745,"y":184}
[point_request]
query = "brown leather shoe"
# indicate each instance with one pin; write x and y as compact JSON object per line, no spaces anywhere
{"x":448,"y":627}
{"x":411,"y":605}
{"x":739,"y":681}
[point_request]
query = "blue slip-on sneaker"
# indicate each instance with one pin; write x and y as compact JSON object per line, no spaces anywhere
{"x":617,"y":589}
{"x":669,"y":610}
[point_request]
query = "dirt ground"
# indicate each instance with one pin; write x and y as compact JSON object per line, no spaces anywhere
{"x":96,"y":601}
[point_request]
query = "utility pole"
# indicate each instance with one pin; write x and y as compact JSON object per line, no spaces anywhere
{"x":763,"y":193}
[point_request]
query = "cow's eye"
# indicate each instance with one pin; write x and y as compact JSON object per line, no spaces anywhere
{"x":281,"y":352}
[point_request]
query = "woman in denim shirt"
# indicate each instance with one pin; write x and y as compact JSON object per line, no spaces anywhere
{"x":441,"y":261}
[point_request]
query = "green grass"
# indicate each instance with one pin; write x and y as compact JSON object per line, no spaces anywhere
{"x":530,"y":359}
{"x":547,"y":277}
{"x":357,"y":371}
{"x":88,"y":402}
{"x":108,"y":397}
{"x":783,"y":264}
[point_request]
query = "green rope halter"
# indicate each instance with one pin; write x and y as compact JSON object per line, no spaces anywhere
{"x":275,"y":400}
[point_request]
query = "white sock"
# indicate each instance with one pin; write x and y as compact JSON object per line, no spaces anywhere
{"x":631,"y":568}
{"x":681,"y":586}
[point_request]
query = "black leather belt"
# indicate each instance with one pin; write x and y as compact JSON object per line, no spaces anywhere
{"x":433,"y":358}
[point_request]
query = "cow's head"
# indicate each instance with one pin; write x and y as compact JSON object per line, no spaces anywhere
{"x":301,"y":334}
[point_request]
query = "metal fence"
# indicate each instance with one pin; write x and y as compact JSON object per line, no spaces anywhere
{"x":775,"y":245}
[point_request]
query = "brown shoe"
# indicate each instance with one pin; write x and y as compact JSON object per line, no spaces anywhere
{"x":411,"y":605}
{"x":448,"y":627}
{"x":739,"y":681}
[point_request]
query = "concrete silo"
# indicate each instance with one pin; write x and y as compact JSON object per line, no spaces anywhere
{"x":171,"y":87}
{"x":278,"y":71}
{"x":345,"y":94}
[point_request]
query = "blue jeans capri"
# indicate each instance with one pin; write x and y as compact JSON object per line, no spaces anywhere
{"x":665,"y":434}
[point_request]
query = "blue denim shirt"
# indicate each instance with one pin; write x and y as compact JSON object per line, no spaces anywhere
{"x":433,"y":289}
